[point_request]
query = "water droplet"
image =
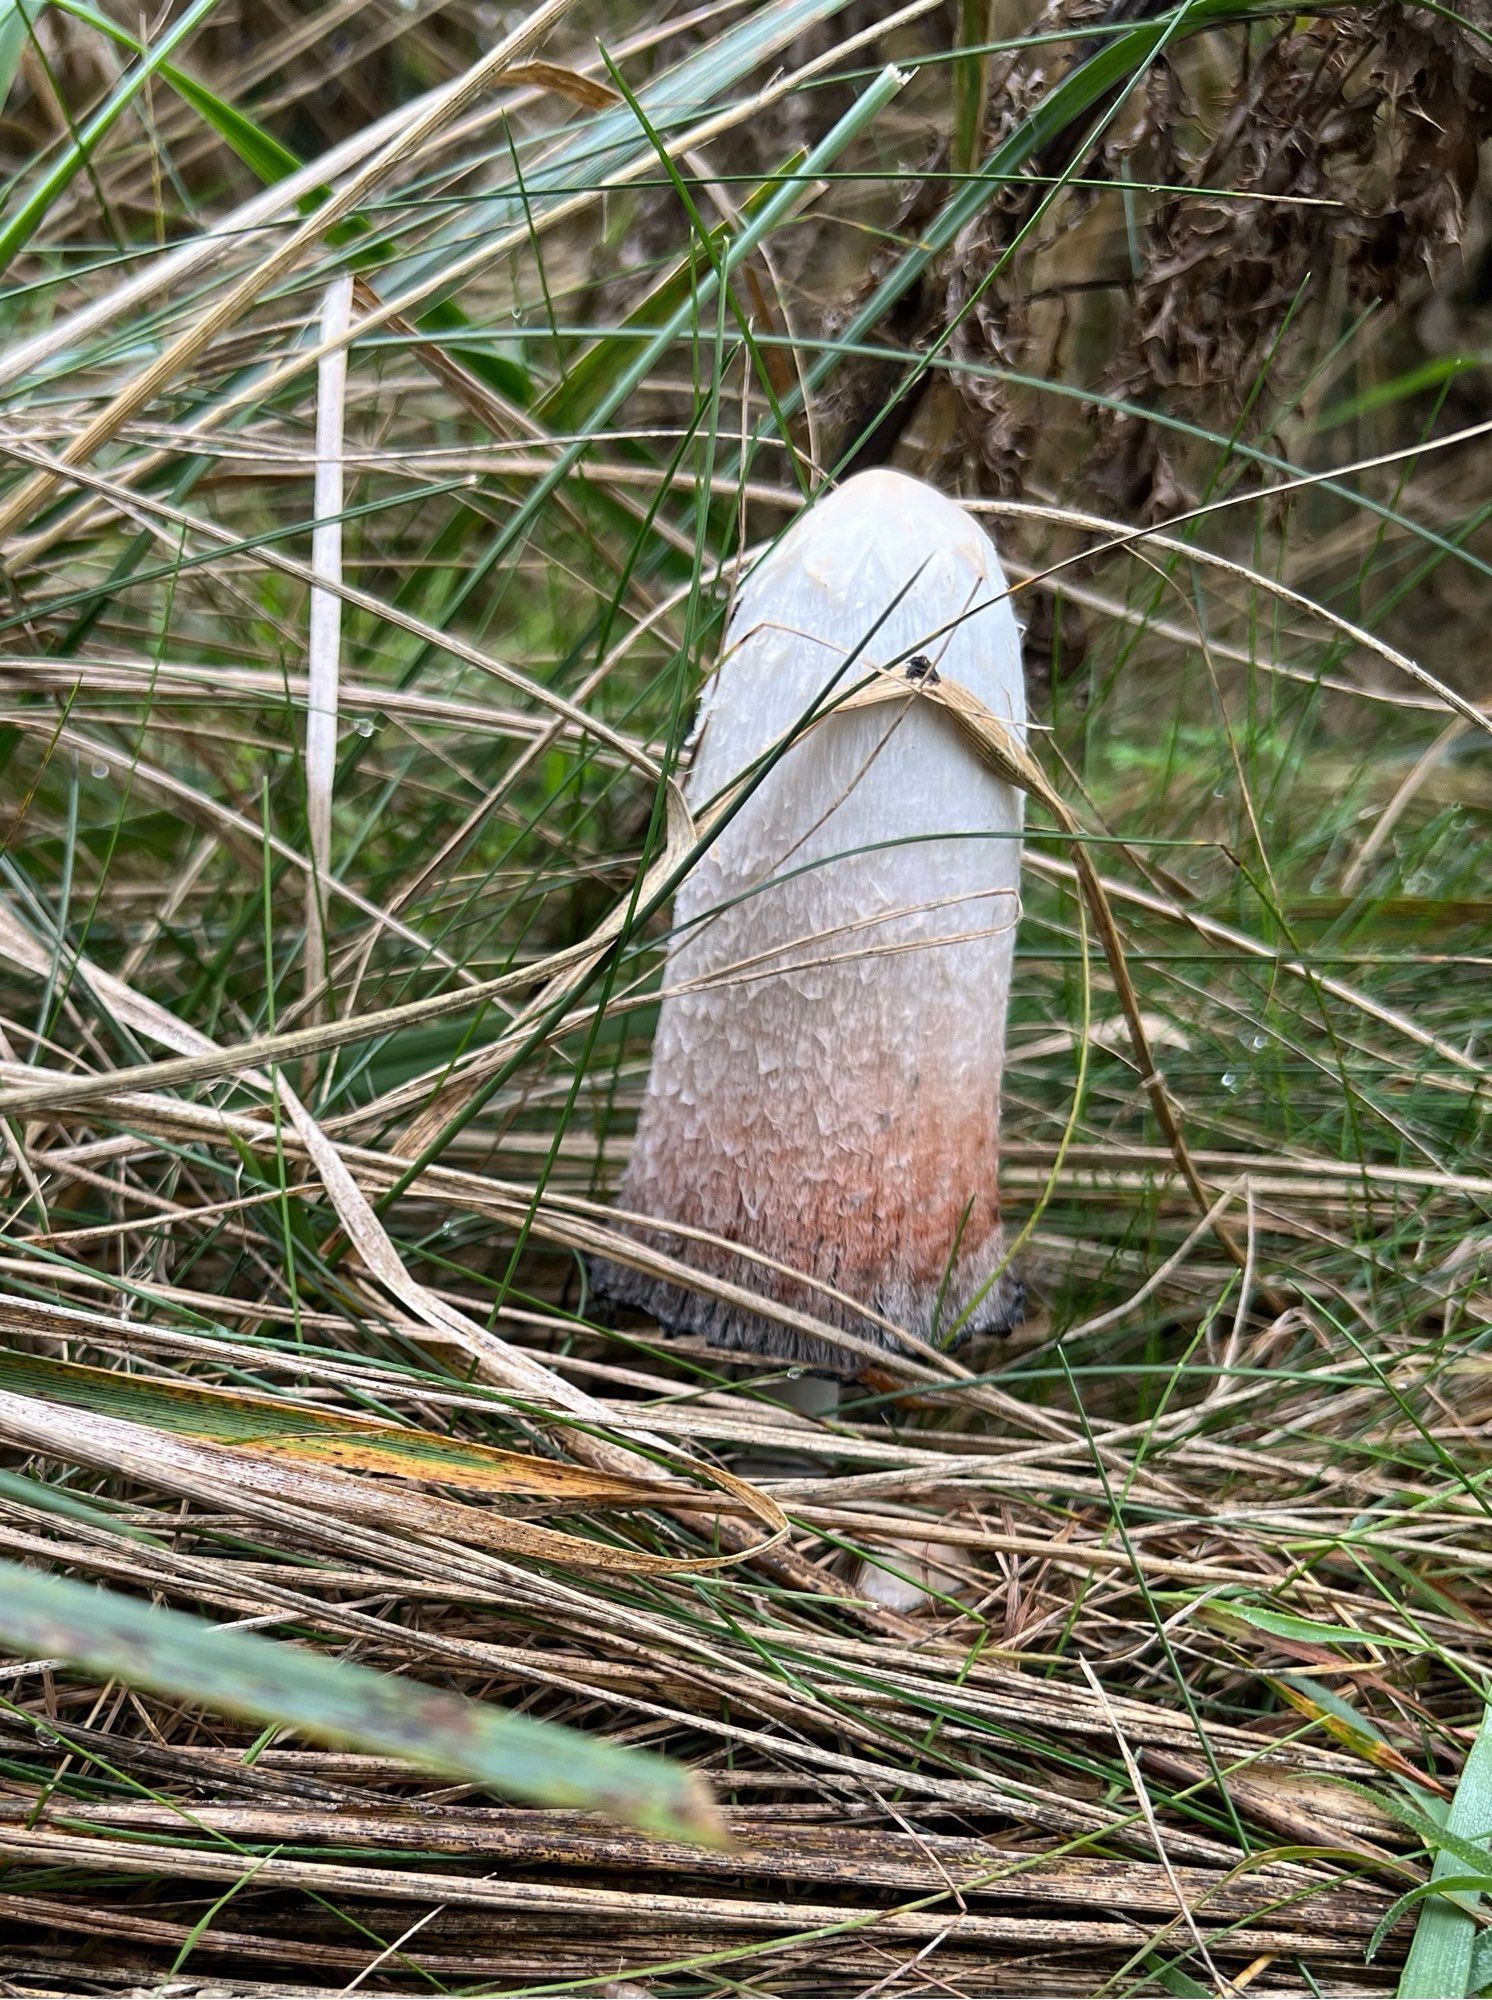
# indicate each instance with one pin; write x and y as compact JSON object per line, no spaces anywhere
{"x":1258,"y":1042}
{"x":1230,"y":1079}
{"x":47,"y":1736}
{"x":99,"y":768}
{"x":364,"y":725}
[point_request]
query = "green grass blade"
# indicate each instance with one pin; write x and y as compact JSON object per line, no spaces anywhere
{"x":575,"y":396}
{"x":599,"y":147}
{"x":20,"y":227}
{"x":12,"y":41}
{"x":1439,"y":1965}
{"x":970,"y":82}
{"x":270,"y":161}
{"x":259,"y":150}
{"x":337,"y":1702}
{"x":784,"y":202}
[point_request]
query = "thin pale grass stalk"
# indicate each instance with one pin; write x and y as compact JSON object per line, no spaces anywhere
{"x":210,"y":811}
{"x":158,"y":513}
{"x":1404,"y":796}
{"x":509,"y":1365}
{"x":324,"y":651}
{"x":1336,"y":989}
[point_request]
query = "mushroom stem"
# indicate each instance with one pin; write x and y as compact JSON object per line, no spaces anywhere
{"x":825,"y":1085}
{"x":805,"y":1395}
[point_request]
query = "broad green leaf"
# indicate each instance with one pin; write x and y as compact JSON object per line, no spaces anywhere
{"x":1481,"y":1963}
{"x":1465,"y":1888}
{"x":337,"y":1702}
{"x":255,"y":147}
{"x":13,"y":33}
{"x":1439,"y":1965}
{"x":970,"y":81}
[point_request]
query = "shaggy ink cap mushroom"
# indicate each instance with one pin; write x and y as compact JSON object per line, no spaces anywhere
{"x":825,"y":1082}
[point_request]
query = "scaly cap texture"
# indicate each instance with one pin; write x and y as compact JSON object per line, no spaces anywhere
{"x":825,"y":1084}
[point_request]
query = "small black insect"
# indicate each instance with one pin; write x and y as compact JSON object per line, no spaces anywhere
{"x":921,"y":668}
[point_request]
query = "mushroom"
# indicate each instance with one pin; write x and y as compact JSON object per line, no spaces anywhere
{"x":825,"y":1082}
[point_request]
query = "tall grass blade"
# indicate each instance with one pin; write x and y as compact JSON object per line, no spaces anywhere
{"x":13,"y":33}
{"x":142,"y":389}
{"x":970,"y":82}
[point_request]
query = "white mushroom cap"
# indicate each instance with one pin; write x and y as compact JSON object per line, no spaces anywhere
{"x":825,"y":1086}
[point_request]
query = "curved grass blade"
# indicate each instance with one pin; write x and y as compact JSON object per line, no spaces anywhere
{"x":12,"y":41}
{"x":271,"y":161}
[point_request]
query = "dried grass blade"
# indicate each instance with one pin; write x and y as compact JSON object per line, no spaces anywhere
{"x":277,"y":1427}
{"x":590,"y":1424}
{"x":232,"y":1474}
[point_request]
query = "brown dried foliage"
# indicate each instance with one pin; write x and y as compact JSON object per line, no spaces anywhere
{"x":1331,"y":160}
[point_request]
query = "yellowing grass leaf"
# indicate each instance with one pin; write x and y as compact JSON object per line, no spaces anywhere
{"x":1354,"y":1736}
{"x":298,"y":1430}
{"x":212,"y":1443}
